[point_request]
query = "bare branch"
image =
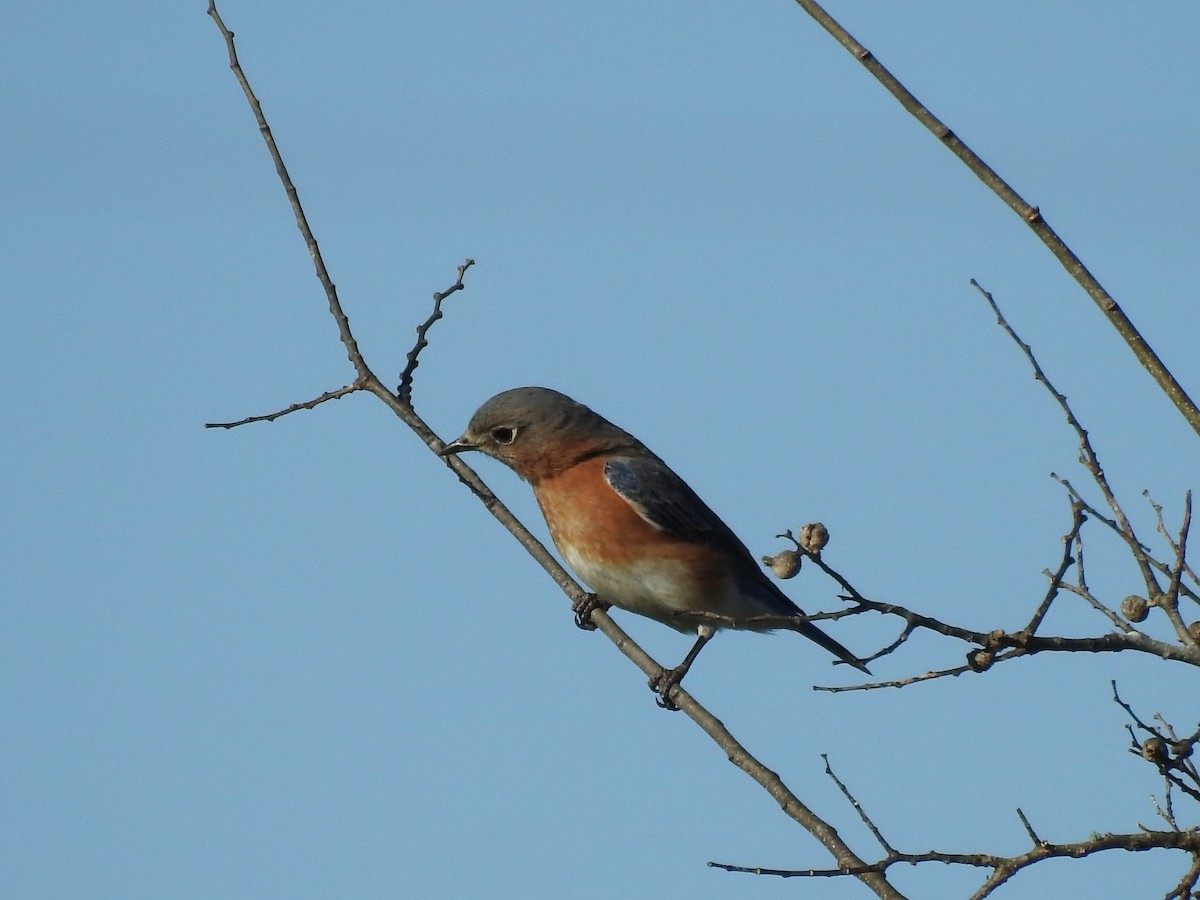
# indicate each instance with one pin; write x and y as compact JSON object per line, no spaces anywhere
{"x":1030,"y":214}
{"x":989,"y":647}
{"x":1186,"y":889}
{"x":404,"y":391}
{"x":1082,"y":589}
{"x":1135,"y":842}
{"x":895,"y":683}
{"x":1037,"y":841}
{"x":1168,"y":601}
{"x":1175,"y":548}
{"x":295,"y":407}
{"x":798,"y":873}
{"x":335,"y":305}
{"x":737,"y":754}
{"x":1087,"y":454}
{"x":862,"y":813}
{"x":1070,"y":539}
{"x":1166,"y":752}
{"x":1114,"y":526}
{"x":993,"y":646}
{"x":1003,"y":867}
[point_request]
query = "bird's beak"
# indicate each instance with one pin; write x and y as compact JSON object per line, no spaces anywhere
{"x":458,"y":446}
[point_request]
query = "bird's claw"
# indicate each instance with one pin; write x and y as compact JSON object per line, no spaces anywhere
{"x":663,"y":683}
{"x":583,"y":611}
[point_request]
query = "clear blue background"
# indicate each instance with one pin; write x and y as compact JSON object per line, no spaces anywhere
{"x":299,"y":660}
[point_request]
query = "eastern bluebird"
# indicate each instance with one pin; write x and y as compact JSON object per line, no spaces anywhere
{"x":630,"y":527}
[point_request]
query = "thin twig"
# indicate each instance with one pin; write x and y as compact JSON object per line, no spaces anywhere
{"x":1037,"y":841}
{"x":1136,"y":546}
{"x":1082,"y":589}
{"x":295,"y":407}
{"x":1167,"y":536}
{"x":1165,"y":752}
{"x":1186,"y":889}
{"x":335,"y":305}
{"x":1094,"y":601}
{"x":992,"y":646}
{"x":895,"y":683}
{"x":1070,"y":539}
{"x":1087,"y":453}
{"x":905,"y":633}
{"x":1129,"y":710}
{"x":404,"y":391}
{"x":862,"y":813}
{"x":1169,"y":601}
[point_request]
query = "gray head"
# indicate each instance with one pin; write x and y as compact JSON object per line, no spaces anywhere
{"x":538,"y":432}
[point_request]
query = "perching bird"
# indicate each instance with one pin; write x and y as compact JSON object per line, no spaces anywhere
{"x":629,"y":527}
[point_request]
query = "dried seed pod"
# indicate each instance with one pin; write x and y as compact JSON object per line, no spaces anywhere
{"x":1154,"y":750}
{"x":784,"y":564}
{"x":1135,"y":608}
{"x":814,"y":537}
{"x":980,"y":660}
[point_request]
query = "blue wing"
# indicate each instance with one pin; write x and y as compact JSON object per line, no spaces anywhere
{"x":665,"y":501}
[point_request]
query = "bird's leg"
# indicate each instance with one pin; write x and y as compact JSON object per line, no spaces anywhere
{"x":583,"y":611}
{"x":664,"y":681}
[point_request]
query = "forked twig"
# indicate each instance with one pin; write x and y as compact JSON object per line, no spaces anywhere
{"x":737,"y":754}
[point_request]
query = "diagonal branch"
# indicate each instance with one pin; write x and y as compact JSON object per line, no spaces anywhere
{"x":1166,"y":751}
{"x":858,"y":808}
{"x":1162,"y":529}
{"x":1030,"y":214}
{"x":846,"y":859}
{"x":1070,"y":539}
{"x":792,"y":806}
{"x":1087,"y":453}
{"x":1135,"y":545}
{"x":1169,"y":600}
{"x":295,"y":407}
{"x":335,"y":305}
{"x":404,"y":391}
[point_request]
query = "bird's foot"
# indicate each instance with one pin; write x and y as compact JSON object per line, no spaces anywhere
{"x":583,"y":611}
{"x":663,"y":683}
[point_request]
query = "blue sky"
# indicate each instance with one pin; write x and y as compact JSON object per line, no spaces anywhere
{"x":299,"y":660}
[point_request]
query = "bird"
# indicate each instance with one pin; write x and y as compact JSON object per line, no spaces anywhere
{"x":630,"y":528}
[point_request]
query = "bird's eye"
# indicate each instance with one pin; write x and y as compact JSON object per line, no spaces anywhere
{"x":504,"y":435}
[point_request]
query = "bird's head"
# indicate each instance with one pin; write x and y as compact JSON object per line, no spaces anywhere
{"x":537,"y":432}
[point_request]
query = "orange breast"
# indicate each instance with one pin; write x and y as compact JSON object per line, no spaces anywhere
{"x":587,"y":516}
{"x":625,"y":559}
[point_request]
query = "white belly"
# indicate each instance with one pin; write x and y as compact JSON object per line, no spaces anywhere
{"x":658,"y":589}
